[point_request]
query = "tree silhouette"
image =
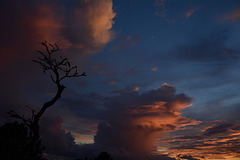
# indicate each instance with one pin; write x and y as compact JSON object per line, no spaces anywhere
{"x":16,"y":143}
{"x":59,"y":68}
{"x":103,"y":156}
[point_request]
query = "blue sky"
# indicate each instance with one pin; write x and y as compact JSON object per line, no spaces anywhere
{"x":187,"y":52}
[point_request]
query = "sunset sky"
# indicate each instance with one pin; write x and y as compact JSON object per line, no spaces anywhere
{"x":163,"y":76}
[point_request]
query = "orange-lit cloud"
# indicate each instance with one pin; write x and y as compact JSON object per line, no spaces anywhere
{"x":89,"y":25}
{"x":154,"y":69}
{"x":86,"y":25}
{"x":232,"y":16}
{"x":54,"y":137}
{"x":219,"y":141}
{"x":134,"y":119}
{"x":127,"y":42}
{"x":190,"y":12}
{"x":131,"y":121}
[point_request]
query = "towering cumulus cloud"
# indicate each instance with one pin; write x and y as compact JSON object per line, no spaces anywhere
{"x":84,"y":24}
{"x":134,"y":119}
{"x":88,"y":26}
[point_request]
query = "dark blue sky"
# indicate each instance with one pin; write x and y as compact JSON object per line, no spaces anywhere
{"x":198,"y":54}
{"x":163,"y":76}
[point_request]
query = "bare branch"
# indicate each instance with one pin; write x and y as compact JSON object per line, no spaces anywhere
{"x":59,"y":68}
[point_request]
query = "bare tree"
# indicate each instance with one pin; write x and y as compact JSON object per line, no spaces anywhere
{"x":58,"y":68}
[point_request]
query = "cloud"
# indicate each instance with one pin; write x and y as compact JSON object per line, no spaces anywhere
{"x":85,"y":25}
{"x":55,"y":139}
{"x":187,"y":157}
{"x":133,"y":119}
{"x":127,"y":42}
{"x":154,"y":69}
{"x":223,"y":128}
{"x":169,"y":11}
{"x":60,"y":144}
{"x":190,"y":12}
{"x":162,"y":10}
{"x":80,"y":28}
{"x":88,"y":24}
{"x":127,"y":90}
{"x":215,"y":139}
{"x":233,"y":16}
{"x":130,"y":120}
{"x":211,"y":48}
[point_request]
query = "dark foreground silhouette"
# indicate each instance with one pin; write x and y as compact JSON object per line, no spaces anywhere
{"x":101,"y":156}
{"x":16,"y":143}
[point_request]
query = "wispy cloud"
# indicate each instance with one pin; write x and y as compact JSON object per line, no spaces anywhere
{"x":127,"y":42}
{"x":168,"y":11}
{"x":162,"y":10}
{"x":218,"y":139}
{"x":233,"y":16}
{"x":154,"y":69}
{"x":190,"y":12}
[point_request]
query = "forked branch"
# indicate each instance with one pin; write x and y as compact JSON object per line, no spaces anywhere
{"x":59,"y":68}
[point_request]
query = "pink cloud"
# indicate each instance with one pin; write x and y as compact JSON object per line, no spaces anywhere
{"x":233,"y":16}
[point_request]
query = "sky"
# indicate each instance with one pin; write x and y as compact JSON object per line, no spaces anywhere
{"x":162,"y":76}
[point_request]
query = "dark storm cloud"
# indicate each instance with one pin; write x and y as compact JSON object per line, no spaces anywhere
{"x":133,"y":119}
{"x":55,"y":139}
{"x":60,"y":144}
{"x":130,"y":119}
{"x":160,"y":157}
{"x":187,"y":157}
{"x":222,"y":129}
{"x":84,"y":105}
{"x":209,"y":49}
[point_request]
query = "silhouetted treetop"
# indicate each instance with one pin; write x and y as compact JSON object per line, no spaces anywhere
{"x":103,"y":156}
{"x":58,"y":67}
